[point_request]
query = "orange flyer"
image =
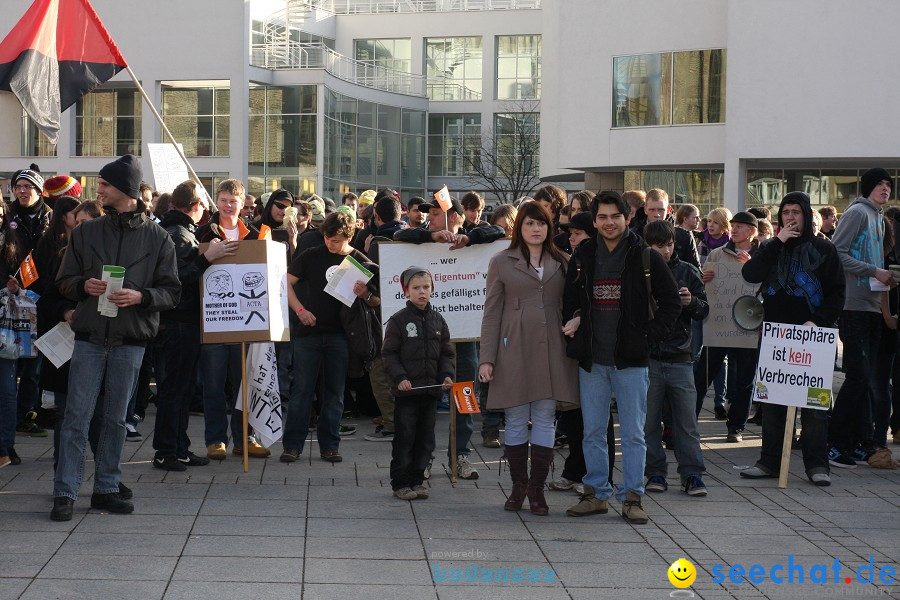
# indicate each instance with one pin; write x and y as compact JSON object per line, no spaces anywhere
{"x":464,"y":395}
{"x":443,"y":198}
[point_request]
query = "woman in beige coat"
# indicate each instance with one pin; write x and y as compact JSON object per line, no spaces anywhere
{"x":523,"y":352}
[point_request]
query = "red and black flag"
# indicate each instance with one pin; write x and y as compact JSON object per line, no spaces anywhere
{"x":57,"y":52}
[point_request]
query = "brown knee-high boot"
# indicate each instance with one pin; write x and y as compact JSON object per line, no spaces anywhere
{"x":517,"y":457}
{"x":541,"y":459}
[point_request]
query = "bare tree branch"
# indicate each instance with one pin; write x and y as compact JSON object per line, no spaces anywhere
{"x":508,"y":161}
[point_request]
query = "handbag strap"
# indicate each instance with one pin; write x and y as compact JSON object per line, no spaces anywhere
{"x":645,"y":259}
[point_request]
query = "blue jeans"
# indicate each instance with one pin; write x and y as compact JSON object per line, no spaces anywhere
{"x":673,"y":384}
{"x":630,"y":386}
{"x":93,"y":430}
{"x":8,"y":405}
{"x":851,"y":418}
{"x":310,"y":352}
{"x":285,"y":358}
{"x":218,"y":363}
{"x":93,"y":367}
{"x":541,"y":413}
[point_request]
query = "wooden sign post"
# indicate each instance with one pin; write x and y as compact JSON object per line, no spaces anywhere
{"x":244,"y":298}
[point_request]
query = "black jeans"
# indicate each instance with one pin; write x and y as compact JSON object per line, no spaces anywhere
{"x":851,"y":419}
{"x":571,"y":423}
{"x":814,"y":438}
{"x":413,"y":443}
{"x":744,"y":360}
{"x":177,"y":352}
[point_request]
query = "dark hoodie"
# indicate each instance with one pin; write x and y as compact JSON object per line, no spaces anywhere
{"x":802,"y":279}
{"x":279,"y":233}
{"x":676,"y":345}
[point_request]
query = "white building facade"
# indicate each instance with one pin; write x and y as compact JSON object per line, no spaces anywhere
{"x":720,"y":102}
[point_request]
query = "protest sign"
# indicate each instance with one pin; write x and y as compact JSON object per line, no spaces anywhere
{"x":168,"y":168}
{"x":263,"y":396}
{"x":719,"y":328}
{"x":459,"y":281}
{"x":245,"y":295}
{"x":796,"y":365}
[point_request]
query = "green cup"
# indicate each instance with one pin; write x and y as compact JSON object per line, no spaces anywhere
{"x":114,"y":271}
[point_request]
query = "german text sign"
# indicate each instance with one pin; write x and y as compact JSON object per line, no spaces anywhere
{"x":727,"y":285}
{"x":796,"y":365}
{"x":459,"y":281}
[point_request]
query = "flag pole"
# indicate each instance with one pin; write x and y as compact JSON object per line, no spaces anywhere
{"x":165,"y":129}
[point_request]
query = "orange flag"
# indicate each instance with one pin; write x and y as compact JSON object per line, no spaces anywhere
{"x":28,"y":271}
{"x":442,"y":196}
{"x":464,"y":395}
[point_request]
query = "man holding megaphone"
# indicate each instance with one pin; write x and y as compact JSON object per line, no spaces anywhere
{"x":802,"y":284}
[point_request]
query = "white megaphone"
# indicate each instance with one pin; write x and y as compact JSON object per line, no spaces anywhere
{"x":748,"y":313}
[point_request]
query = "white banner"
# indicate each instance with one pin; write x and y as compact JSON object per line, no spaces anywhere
{"x":796,"y":365}
{"x":459,"y":281}
{"x":263,"y":395}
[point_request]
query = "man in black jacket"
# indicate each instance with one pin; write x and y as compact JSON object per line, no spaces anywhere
{"x":672,"y":374}
{"x":177,"y":346}
{"x":109,"y":345}
{"x":607,"y":308}
{"x":802,"y":284}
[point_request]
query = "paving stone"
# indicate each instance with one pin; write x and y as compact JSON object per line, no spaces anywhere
{"x":79,"y":566}
{"x":204,"y":590}
{"x":84,"y":589}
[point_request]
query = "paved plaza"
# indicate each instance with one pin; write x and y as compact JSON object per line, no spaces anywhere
{"x":314,"y":530}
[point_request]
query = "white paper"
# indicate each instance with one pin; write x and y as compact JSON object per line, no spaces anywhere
{"x":57,"y":344}
{"x":877,"y":286}
{"x":113,"y":284}
{"x":168,"y":168}
{"x":235,"y":297}
{"x":344,"y":278}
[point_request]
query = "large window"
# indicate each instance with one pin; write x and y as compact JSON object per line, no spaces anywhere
{"x":390,"y":53}
{"x":198,"y":118}
{"x":670,"y":88}
{"x":517,"y":142}
{"x":282,"y":138}
{"x":453,"y":68}
{"x":108,"y":123}
{"x":370,"y":146}
{"x":518,"y":67}
{"x":34,"y":143}
{"x":454,"y":144}
{"x":704,"y":188}
{"x":836,"y":187}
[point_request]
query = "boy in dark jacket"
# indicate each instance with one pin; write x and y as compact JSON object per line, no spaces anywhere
{"x":672,"y":374}
{"x":417,"y":354}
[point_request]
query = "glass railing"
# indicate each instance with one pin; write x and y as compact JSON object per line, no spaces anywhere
{"x":350,"y":7}
{"x":296,"y":55}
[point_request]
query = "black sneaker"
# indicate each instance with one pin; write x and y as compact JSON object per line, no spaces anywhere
{"x":14,"y":456}
{"x":125,"y":492}
{"x":62,"y":509}
{"x":861,"y":454}
{"x":345,"y":430}
{"x":836,"y":458}
{"x":169,"y":463}
{"x":31,"y":428}
{"x":112,"y":503}
{"x":721,"y":413}
{"x":193,"y":460}
{"x":133,"y":436}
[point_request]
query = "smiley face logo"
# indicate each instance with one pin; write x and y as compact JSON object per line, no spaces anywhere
{"x":682,"y":573}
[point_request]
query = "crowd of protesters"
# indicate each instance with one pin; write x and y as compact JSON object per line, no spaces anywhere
{"x":593,"y":308}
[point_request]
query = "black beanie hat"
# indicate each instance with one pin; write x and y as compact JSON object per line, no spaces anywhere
{"x":125,"y":175}
{"x":872,"y":178}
